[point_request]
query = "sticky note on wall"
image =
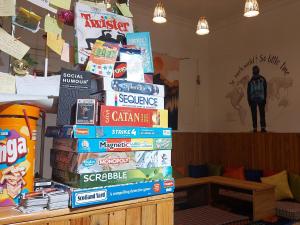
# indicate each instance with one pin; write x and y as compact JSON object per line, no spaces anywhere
{"x":12,"y":46}
{"x":7,"y":7}
{"x":65,"y":4}
{"x":52,"y":25}
{"x":55,"y":42}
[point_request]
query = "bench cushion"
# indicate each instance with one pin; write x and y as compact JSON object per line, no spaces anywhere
{"x":289,"y":210}
{"x":208,"y":215}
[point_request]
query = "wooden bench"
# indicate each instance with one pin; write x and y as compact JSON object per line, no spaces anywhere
{"x":262,"y":196}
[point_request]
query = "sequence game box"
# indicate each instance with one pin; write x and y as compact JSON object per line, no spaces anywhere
{"x":123,"y":99}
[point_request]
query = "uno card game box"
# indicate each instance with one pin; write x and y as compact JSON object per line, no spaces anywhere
{"x":102,"y":179}
{"x":112,"y":144}
{"x":108,"y":161}
{"x":81,"y":131}
{"x":116,"y":193}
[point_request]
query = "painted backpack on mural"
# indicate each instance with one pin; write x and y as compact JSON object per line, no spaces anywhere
{"x":257,"y":89}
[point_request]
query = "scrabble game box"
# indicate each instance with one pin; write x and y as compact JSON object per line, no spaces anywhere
{"x":101,"y":179}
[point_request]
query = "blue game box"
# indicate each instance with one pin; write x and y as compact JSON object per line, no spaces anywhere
{"x":82,"y":131}
{"x":102,"y":195}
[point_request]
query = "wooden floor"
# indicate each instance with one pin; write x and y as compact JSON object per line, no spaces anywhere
{"x":271,"y":151}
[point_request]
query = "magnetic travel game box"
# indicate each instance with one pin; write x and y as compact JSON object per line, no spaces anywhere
{"x":135,"y":117}
{"x":108,"y":161}
{"x":116,"y":193}
{"x":123,"y":99}
{"x":112,"y":144}
{"x":81,"y":131}
{"x":101,"y":179}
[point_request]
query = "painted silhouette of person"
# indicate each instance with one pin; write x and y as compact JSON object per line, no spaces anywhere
{"x":257,"y":97}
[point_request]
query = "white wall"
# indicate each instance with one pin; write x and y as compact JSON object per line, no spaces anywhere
{"x":177,"y":38}
{"x":274,"y":32}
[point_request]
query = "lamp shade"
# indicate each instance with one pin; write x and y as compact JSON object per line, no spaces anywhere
{"x":251,"y":8}
{"x":202,"y":26}
{"x":159,"y":14}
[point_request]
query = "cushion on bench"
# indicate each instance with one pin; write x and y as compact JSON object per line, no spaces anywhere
{"x":289,"y":210}
{"x":208,"y":215}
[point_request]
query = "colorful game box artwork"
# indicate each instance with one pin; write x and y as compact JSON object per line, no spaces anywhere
{"x":102,"y":59}
{"x":16,"y":165}
{"x":93,"y":24}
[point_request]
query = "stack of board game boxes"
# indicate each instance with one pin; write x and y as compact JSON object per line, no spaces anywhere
{"x":120,"y":145}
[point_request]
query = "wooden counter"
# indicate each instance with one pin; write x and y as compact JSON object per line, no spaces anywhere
{"x":156,"y":210}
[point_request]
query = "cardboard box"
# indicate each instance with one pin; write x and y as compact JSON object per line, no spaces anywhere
{"x":125,"y":116}
{"x":110,"y":161}
{"x":102,"y":179}
{"x":87,"y":112}
{"x":112,"y":144}
{"x":97,"y":196}
{"x":81,"y":131}
{"x":73,"y":85}
{"x":143,"y":42}
{"x":114,"y":98}
{"x":109,"y":84}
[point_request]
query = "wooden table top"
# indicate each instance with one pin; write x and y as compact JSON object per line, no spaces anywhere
{"x":186,"y":182}
{"x":8,"y":215}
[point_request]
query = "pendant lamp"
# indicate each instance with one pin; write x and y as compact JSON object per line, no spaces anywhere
{"x":202,"y":26}
{"x":251,"y":8}
{"x":159,"y":13}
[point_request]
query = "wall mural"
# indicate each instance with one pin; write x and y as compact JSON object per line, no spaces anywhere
{"x":279,"y":82}
{"x":166,"y":73}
